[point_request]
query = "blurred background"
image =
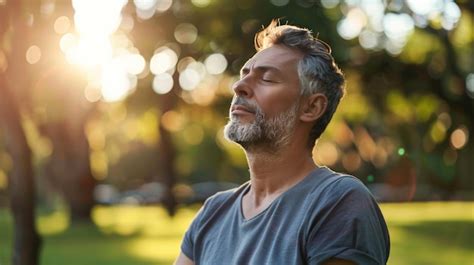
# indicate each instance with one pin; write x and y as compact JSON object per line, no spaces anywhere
{"x":112,"y":115}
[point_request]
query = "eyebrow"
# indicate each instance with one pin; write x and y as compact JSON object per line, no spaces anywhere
{"x":261,"y":68}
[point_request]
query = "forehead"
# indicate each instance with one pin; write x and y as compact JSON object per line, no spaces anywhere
{"x":277,"y":56}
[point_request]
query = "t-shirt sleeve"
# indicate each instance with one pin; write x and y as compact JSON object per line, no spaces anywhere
{"x":347,"y":223}
{"x":187,"y":245}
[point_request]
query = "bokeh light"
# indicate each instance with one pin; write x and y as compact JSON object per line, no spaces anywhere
{"x":33,"y":54}
{"x":351,"y":161}
{"x":184,"y":62}
{"x":92,"y":93}
{"x":193,"y":134}
{"x":469,"y":85}
{"x":329,"y":3}
{"x":172,"y":121}
{"x":215,"y":63}
{"x":3,"y":61}
{"x":185,"y":33}
{"x":189,"y":79}
{"x":163,"y":83}
{"x":459,"y":137}
{"x":3,"y":180}
{"x":145,"y":4}
{"x":62,"y":25}
{"x":201,"y":3}
{"x":135,"y":63}
{"x":369,"y":39}
{"x":326,"y":153}
{"x":425,"y":7}
{"x":47,"y":7}
{"x":163,"y":60}
{"x":397,"y":26}
{"x":163,"y":5}
{"x":351,"y":26}
{"x":401,"y":151}
{"x":279,"y":2}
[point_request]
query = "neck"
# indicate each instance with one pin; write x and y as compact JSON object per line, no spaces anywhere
{"x":273,"y":173}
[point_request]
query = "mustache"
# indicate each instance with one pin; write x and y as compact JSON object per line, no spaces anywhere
{"x":245,"y":103}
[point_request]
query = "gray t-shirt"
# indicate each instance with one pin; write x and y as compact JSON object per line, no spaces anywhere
{"x":325,"y":215}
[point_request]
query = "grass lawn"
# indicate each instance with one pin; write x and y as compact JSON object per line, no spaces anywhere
{"x":421,"y":233}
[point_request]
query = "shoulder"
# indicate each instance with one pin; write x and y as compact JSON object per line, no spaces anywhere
{"x":338,"y":185}
{"x":342,"y":193}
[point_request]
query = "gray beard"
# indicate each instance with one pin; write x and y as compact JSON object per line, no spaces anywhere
{"x":269,"y":135}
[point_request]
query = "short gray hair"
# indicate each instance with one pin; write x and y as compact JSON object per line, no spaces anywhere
{"x":318,"y":72}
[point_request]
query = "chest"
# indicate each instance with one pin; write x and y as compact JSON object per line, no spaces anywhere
{"x":274,"y":236}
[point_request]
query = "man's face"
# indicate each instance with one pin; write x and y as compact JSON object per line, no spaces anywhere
{"x":264,"y":109}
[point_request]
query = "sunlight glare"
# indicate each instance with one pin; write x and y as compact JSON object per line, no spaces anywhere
{"x":94,"y":50}
{"x":68,"y":41}
{"x":110,"y":59}
{"x":97,"y":18}
{"x":115,"y":82}
{"x":95,"y":21}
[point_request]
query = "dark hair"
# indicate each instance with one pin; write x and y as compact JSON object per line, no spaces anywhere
{"x":318,"y":73}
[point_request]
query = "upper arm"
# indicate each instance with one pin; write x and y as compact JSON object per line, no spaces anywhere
{"x":349,"y":226}
{"x":183,"y":260}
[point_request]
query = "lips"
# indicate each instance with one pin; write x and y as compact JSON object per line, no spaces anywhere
{"x":240,"y":109}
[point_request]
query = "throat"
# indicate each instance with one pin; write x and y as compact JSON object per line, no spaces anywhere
{"x":253,"y":206}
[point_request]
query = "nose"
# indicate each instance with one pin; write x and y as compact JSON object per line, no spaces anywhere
{"x":242,"y":88}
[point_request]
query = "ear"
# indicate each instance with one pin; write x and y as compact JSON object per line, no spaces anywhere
{"x":314,"y":107}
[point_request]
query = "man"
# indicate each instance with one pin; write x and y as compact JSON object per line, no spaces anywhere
{"x":292,"y":211}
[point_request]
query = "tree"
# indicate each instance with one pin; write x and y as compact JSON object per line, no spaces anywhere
{"x":27,"y":241}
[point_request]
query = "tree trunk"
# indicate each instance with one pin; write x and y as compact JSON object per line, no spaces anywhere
{"x":167,"y":154}
{"x":27,"y":242}
{"x":68,"y":168}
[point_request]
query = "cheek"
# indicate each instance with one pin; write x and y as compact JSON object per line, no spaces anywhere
{"x":275,"y":101}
